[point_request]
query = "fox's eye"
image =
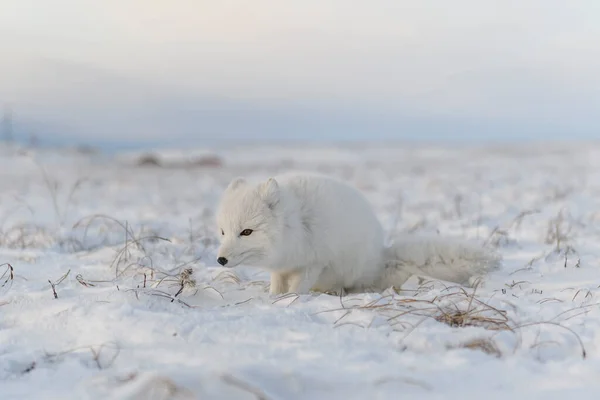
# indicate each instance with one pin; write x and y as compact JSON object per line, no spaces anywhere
{"x":246,"y":232}
{"x":222,"y":233}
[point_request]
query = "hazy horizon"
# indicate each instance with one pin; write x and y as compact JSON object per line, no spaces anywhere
{"x":131,"y":73}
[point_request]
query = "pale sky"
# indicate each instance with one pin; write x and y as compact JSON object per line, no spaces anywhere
{"x":185,"y":71}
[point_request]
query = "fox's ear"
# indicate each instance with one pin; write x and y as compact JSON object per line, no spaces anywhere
{"x":270,"y":192}
{"x":236,"y":183}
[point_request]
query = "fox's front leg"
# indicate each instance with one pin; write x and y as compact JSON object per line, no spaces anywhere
{"x":279,"y":283}
{"x":301,"y":281}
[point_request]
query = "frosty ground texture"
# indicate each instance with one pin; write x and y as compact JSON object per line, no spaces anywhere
{"x":112,"y":290}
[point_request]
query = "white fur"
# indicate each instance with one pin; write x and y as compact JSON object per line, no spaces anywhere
{"x":316,"y":233}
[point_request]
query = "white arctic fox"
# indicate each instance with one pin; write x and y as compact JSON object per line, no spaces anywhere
{"x":317,"y":233}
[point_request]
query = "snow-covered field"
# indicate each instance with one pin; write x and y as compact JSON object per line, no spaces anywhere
{"x":98,"y":300}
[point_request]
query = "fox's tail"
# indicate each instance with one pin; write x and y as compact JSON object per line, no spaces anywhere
{"x":451,"y":260}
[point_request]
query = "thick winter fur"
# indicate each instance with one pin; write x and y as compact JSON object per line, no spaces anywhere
{"x":317,"y":233}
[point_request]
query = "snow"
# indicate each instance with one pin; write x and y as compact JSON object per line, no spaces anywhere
{"x":119,"y":329}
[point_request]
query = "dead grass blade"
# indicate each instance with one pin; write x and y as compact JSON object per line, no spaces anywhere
{"x":258,"y":393}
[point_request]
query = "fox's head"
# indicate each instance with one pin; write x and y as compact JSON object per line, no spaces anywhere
{"x":248,"y":222}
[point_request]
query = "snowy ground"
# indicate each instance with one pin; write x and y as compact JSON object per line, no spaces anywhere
{"x":115,"y":241}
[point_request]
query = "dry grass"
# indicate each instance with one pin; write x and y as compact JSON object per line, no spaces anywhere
{"x":27,"y":236}
{"x":53,"y":186}
{"x":134,"y":258}
{"x":258,"y":393}
{"x":457,"y":309}
{"x":8,"y":275}
{"x":485,"y":345}
{"x":102,"y":356}
{"x":559,"y":232}
{"x":7,"y":278}
{"x":54,"y":284}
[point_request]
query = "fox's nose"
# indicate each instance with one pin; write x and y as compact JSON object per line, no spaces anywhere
{"x":222,"y":260}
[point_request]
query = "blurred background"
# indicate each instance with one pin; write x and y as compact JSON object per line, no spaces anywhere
{"x":123,"y":74}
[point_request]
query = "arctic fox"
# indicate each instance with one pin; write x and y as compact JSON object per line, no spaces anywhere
{"x":313,"y":232}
